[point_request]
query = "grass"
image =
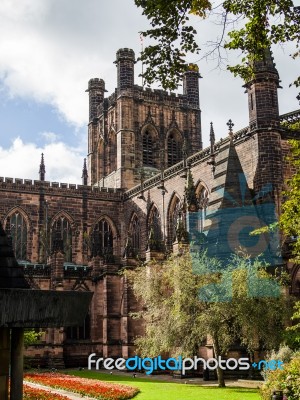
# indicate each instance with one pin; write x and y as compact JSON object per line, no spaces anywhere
{"x":160,"y":390}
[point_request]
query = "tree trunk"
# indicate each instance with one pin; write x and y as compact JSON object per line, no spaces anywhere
{"x":220,"y":371}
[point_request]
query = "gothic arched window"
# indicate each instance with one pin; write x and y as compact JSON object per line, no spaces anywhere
{"x":156,"y":224}
{"x":148,"y":149}
{"x":16,"y":229}
{"x":173,"y":218}
{"x":62,"y":237}
{"x":102,"y":239}
{"x":136,"y":235}
{"x":154,"y":231}
{"x":174,"y":150}
{"x":203,"y":202}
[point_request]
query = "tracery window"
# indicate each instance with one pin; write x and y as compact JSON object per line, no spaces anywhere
{"x":174,"y":150}
{"x":203,"y":202}
{"x":173,"y":219}
{"x":62,"y":237}
{"x":16,"y":229}
{"x":136,"y":235}
{"x":148,"y":149}
{"x":102,"y":244}
{"x":155,"y":224}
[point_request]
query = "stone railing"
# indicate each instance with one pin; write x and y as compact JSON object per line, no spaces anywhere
{"x":290,"y":118}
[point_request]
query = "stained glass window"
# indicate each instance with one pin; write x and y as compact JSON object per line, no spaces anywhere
{"x":203,"y":201}
{"x":174,"y":150}
{"x":102,"y":239}
{"x":173,"y":219}
{"x":155,"y":224}
{"x":148,"y":149}
{"x":16,"y":229}
{"x":62,"y":237}
{"x":136,"y":235}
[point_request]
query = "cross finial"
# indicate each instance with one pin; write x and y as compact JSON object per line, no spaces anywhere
{"x":84,"y":173}
{"x":42,"y":170}
{"x":230,"y":125}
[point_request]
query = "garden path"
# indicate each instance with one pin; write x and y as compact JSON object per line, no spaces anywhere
{"x":70,"y":395}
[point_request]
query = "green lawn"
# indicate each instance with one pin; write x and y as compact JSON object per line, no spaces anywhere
{"x":158,"y":390}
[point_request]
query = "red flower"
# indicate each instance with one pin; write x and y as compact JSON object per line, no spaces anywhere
{"x":89,"y":387}
{"x":30,"y":393}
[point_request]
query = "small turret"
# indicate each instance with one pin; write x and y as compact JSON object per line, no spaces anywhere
{"x":96,"y":90}
{"x":191,"y":85}
{"x":262,"y":93}
{"x":125,"y":63}
{"x":42,"y":170}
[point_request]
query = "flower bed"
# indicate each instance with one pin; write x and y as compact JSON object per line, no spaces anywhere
{"x":83,"y":386}
{"x":30,"y":393}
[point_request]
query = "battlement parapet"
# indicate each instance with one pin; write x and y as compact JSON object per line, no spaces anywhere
{"x":140,"y":94}
{"x":29,"y":185}
{"x":145,"y":94}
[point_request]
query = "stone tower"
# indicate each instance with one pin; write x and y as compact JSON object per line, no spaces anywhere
{"x":265,"y":125}
{"x":139,"y":131}
{"x":96,"y":89}
{"x":262,"y":93}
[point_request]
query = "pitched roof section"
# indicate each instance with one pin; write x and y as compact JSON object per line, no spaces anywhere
{"x":230,"y":189}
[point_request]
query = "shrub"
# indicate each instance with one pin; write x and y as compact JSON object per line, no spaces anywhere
{"x":286,"y":379}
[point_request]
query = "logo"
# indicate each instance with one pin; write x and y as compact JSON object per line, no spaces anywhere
{"x":226,"y":230}
{"x":179,"y":364}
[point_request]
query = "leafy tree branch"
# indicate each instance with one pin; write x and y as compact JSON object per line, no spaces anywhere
{"x":261,"y":24}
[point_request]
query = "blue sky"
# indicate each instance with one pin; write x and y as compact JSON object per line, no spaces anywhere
{"x":49,"y":50}
{"x":30,"y":119}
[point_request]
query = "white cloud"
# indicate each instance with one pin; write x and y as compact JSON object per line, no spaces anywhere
{"x":50,"y":49}
{"x":49,"y":136}
{"x":22,"y":160}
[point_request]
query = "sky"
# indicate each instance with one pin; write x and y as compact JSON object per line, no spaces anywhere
{"x":49,"y":50}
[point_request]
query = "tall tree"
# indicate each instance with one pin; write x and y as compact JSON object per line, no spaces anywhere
{"x":290,"y":217}
{"x":260,"y":23}
{"x":190,"y":297}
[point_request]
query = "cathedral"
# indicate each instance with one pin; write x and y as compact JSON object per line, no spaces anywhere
{"x":148,"y":187}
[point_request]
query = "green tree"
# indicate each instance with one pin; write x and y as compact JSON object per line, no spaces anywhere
{"x":31,"y":337}
{"x":293,"y":332}
{"x":260,"y":24}
{"x":290,"y":216}
{"x":183,"y":305}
